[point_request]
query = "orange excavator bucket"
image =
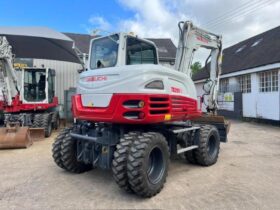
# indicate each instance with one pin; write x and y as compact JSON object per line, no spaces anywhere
{"x":13,"y":137}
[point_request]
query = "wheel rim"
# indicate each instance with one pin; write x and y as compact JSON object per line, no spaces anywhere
{"x":211,"y":146}
{"x":156,"y":165}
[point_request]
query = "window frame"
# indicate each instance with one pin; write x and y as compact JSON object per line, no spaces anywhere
{"x":269,"y":81}
{"x":245,"y":83}
{"x":224,"y":85}
{"x":91,"y":51}
{"x":142,"y":41}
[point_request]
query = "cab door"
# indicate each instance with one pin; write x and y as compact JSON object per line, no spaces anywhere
{"x":51,"y":86}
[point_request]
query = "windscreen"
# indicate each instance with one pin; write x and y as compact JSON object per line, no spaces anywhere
{"x":104,"y":52}
{"x":34,"y":85}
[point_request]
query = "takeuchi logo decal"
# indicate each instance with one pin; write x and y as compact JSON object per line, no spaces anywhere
{"x":95,"y":78}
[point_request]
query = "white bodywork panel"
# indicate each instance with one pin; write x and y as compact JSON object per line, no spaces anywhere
{"x":131,"y":79}
{"x":96,"y":100}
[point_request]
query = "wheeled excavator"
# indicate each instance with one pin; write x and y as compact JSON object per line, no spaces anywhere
{"x":132,"y":114}
{"x":29,"y":105}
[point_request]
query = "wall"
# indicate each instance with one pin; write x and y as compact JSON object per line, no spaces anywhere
{"x":66,"y":75}
{"x":262,"y":105}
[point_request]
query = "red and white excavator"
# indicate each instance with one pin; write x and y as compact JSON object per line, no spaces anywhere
{"x":131,"y":113}
{"x":29,"y":105}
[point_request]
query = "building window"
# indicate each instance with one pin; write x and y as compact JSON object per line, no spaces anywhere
{"x":245,"y":83}
{"x":256,"y":42}
{"x":268,"y":81}
{"x":240,"y":49}
{"x":224,"y":85}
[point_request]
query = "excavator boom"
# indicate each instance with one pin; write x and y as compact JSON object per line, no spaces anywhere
{"x":191,"y":38}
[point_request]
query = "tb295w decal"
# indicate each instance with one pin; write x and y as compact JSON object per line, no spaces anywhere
{"x":176,"y":90}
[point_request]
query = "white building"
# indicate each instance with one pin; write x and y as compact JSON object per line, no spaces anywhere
{"x":249,"y":84}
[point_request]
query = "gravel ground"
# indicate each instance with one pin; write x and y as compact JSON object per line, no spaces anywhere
{"x":247,"y":176}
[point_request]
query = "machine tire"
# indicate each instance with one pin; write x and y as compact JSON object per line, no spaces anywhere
{"x":37,"y":121}
{"x":147,"y":165}
{"x":209,"y":146}
{"x":119,"y":163}
{"x":56,"y":147}
{"x":55,"y":121}
{"x":46,"y":124}
{"x":69,"y":156}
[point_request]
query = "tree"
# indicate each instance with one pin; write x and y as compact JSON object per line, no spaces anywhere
{"x":196,"y":66}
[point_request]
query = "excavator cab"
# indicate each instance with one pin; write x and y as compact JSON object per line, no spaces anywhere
{"x":121,"y":49}
{"x":38,"y":85}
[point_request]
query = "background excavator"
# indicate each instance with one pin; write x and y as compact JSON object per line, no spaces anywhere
{"x":30,"y":108}
{"x":131,"y":113}
{"x":28,"y":101}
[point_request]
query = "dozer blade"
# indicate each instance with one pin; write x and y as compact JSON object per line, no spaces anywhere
{"x":15,"y":137}
{"x":219,"y":121}
{"x":37,"y":134}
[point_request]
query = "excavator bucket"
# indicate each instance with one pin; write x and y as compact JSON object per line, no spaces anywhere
{"x":37,"y":134}
{"x":15,"y":137}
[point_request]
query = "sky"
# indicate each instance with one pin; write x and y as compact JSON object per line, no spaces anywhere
{"x":236,"y":20}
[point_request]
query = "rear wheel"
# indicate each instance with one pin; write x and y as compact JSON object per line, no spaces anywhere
{"x":119,"y":164}
{"x":37,"y":121}
{"x":56,"y":147}
{"x":209,"y":146}
{"x":55,"y":120}
{"x":46,"y":124}
{"x":69,"y":155}
{"x":148,"y":164}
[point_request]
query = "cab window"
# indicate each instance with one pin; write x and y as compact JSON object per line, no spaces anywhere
{"x":140,"y":52}
{"x":104,"y":52}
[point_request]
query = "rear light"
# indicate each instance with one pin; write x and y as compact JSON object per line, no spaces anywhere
{"x":156,"y":84}
{"x":141,"y":104}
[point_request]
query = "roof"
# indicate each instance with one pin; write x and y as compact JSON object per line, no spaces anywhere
{"x":166,"y":48}
{"x":39,"y":42}
{"x":82,"y":41}
{"x":260,"y":50}
{"x":42,"y":32}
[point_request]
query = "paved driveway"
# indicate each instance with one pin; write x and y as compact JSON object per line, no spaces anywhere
{"x":247,"y":176}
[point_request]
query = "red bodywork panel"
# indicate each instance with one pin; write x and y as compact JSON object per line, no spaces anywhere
{"x":1,"y":105}
{"x":157,"y":108}
{"x":18,"y":106}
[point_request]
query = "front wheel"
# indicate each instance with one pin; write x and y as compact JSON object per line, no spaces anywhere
{"x":68,"y":155}
{"x":147,"y":165}
{"x":209,"y":146}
